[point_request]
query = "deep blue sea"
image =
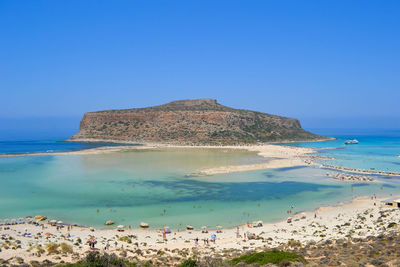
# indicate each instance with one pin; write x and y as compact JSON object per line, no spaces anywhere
{"x":151,"y":185}
{"x":38,"y":146}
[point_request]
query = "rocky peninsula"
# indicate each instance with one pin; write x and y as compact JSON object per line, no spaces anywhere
{"x":190,"y":122}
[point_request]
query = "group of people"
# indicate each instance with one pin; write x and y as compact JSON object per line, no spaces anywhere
{"x":290,"y":211}
{"x":206,"y":241}
{"x":91,"y":244}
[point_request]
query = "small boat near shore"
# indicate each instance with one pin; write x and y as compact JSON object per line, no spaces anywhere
{"x":351,"y":142}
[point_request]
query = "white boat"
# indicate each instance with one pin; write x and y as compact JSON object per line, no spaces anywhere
{"x":349,"y":142}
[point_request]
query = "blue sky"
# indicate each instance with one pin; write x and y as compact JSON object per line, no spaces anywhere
{"x":328,"y":63}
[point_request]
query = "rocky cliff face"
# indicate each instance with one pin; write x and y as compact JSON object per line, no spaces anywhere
{"x":200,"y":121}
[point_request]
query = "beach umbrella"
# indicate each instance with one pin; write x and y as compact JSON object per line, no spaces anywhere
{"x":219,"y":226}
{"x":53,"y":221}
{"x":92,"y":239}
{"x":120,"y":226}
{"x":47,"y":234}
{"x":204,"y":227}
{"x":20,"y":219}
{"x":213,"y":236}
{"x":60,"y":222}
{"x":189,"y":227}
{"x":167,"y":230}
{"x":144,"y":225}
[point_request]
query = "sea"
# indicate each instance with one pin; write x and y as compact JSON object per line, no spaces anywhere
{"x":153,"y":186}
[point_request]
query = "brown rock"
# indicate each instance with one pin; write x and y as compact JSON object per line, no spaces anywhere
{"x":200,"y":121}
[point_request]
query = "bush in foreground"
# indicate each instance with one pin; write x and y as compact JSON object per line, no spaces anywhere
{"x":52,"y":248}
{"x":95,"y":259}
{"x":272,"y":256}
{"x":65,"y":248}
{"x":188,"y":263}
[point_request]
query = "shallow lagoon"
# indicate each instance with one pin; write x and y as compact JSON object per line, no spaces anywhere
{"x":150,"y":186}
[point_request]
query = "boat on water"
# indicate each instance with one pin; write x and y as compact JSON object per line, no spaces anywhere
{"x":350,"y":142}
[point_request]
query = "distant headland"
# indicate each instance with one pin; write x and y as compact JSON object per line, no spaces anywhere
{"x":190,"y":122}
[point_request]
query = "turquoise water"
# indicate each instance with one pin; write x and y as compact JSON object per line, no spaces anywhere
{"x":375,"y":151}
{"x":151,"y":186}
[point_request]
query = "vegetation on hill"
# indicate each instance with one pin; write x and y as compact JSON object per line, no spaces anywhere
{"x":196,"y":122}
{"x":272,"y":256}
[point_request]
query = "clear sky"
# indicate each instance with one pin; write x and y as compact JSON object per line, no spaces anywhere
{"x":328,"y":63}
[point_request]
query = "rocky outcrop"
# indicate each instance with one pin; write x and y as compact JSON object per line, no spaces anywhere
{"x":200,"y":121}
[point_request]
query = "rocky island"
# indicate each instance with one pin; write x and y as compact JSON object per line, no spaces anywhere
{"x":192,"y":122}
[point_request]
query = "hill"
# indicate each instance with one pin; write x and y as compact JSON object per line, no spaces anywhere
{"x":199,"y":122}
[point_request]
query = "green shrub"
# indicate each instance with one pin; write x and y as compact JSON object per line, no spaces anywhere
{"x":188,"y":263}
{"x":95,"y":259}
{"x":126,"y":239}
{"x":272,"y":256}
{"x":65,"y":248}
{"x":52,"y":248}
{"x":36,"y":248}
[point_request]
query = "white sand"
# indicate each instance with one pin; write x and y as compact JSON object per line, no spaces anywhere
{"x":357,"y":219}
{"x":279,"y":156}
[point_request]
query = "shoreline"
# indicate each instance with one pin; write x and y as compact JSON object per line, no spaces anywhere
{"x":306,"y":226}
{"x":113,"y":141}
{"x":318,"y":225}
{"x":279,"y":155}
{"x":359,"y":171}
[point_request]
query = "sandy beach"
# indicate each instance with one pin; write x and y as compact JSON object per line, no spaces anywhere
{"x":278,"y":156}
{"x":365,"y":216}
